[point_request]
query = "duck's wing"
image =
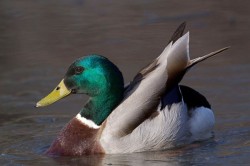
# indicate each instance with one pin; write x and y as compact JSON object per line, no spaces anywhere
{"x":143,"y":95}
{"x":178,"y":33}
{"x":153,"y":65}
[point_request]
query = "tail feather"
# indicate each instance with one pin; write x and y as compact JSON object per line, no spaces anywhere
{"x":200,"y":59}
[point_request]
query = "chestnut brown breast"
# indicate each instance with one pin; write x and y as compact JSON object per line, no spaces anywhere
{"x":76,"y":139}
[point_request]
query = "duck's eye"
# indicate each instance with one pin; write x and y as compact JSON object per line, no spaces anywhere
{"x":79,"y":69}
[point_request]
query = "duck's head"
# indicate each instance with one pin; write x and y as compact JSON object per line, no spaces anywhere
{"x":92,"y":75}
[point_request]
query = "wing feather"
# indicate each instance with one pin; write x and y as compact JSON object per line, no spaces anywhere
{"x":143,"y":95}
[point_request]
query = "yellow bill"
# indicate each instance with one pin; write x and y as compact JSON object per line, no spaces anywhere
{"x":58,"y":93}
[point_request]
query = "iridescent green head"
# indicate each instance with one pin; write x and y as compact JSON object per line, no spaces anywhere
{"x":95,"y":76}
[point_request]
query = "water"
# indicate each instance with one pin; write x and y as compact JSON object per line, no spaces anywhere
{"x":39,"y":40}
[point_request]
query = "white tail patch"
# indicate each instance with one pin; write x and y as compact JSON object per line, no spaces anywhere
{"x":87,"y":122}
{"x":202,"y":123}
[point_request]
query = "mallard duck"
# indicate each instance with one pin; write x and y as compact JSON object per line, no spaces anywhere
{"x":153,"y":112}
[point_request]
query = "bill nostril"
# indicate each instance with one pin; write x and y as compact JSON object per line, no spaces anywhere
{"x":57,"y":88}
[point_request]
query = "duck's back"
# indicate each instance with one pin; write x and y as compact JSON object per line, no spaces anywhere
{"x":175,"y":123}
